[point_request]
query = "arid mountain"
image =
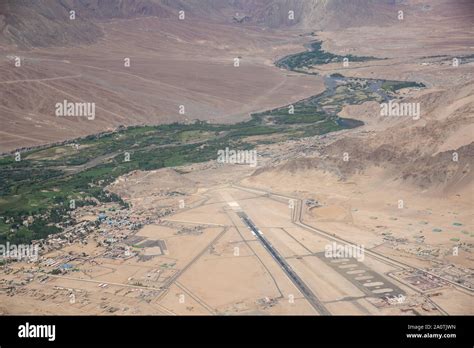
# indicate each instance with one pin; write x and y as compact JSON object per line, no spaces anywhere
{"x":45,"y":23}
{"x":434,"y":153}
{"x":48,"y":23}
{"x":321,"y":14}
{"x":165,"y":84}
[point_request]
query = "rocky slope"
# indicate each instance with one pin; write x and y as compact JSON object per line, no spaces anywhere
{"x":43,"y":23}
{"x":434,"y":153}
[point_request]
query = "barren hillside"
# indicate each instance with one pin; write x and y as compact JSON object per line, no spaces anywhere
{"x":171,"y":67}
{"x":46,"y":23}
{"x":434,"y":153}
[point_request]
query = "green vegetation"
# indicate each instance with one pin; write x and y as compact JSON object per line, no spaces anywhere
{"x":315,"y":56}
{"x":35,"y":193}
{"x":393,"y":86}
{"x":39,"y":188}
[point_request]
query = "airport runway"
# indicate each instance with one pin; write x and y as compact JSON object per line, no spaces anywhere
{"x":302,"y":287}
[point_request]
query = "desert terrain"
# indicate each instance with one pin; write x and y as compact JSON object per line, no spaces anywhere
{"x":161,"y":226}
{"x":173,"y":63}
